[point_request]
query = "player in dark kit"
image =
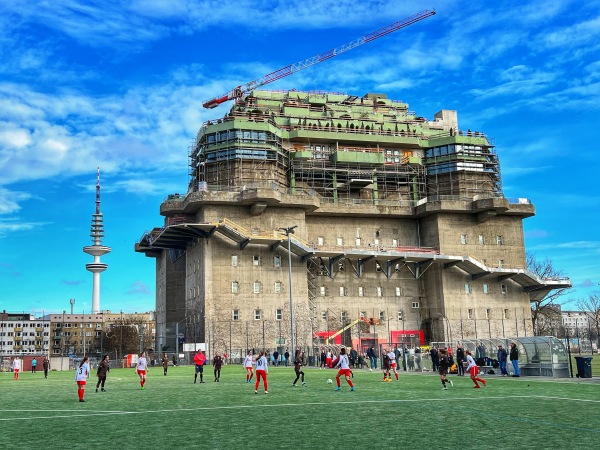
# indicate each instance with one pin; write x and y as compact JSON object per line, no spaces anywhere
{"x":443,"y":365}
{"x":298,"y":368}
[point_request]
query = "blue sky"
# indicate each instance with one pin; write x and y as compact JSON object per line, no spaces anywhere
{"x":120,"y":85}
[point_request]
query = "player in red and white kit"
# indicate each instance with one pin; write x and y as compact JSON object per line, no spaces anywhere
{"x":473,"y":371}
{"x":392,"y":357}
{"x":248,"y":365}
{"x":141,"y":367}
{"x":16,"y":367}
{"x":344,"y":366}
{"x":81,"y":375}
{"x":261,"y":372}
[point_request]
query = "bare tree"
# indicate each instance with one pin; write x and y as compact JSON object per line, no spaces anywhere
{"x":544,"y":311}
{"x":591,"y":308}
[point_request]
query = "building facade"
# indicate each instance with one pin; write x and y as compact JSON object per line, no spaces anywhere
{"x":402,"y":233}
{"x":23,"y":334}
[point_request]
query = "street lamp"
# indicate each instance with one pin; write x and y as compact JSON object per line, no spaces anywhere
{"x":288,"y":232}
{"x":449,"y":327}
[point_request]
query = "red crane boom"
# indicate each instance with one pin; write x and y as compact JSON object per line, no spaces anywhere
{"x":288,"y":70}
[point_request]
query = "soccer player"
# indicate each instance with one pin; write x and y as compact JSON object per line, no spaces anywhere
{"x":81,"y":375}
{"x":443,"y":365}
{"x":473,"y":371}
{"x":298,"y":368}
{"x":165,"y":364}
{"x":141,"y":368}
{"x":392,"y":357}
{"x":217,"y":364}
{"x":328,"y":358}
{"x":261,"y":372}
{"x":385,"y":365}
{"x":103,"y":369}
{"x":344,"y":366}
{"x":16,"y":367}
{"x":199,"y":360}
{"x":248,"y":365}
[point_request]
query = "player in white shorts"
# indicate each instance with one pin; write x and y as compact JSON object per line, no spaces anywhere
{"x":248,"y":365}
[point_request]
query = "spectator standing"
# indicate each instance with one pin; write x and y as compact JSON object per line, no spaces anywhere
{"x":103,"y":369}
{"x":480,"y":354}
{"x":199,"y":361}
{"x":372,"y":357}
{"x":502,"y":357}
{"x":286,"y":355}
{"x":353,"y":358}
{"x":217,"y":364}
{"x":174,"y":360}
{"x":275,"y":358}
{"x":418,"y":358}
{"x":323,"y":359}
{"x":514,"y":358}
{"x":435,"y":359}
{"x":460,"y":356}
{"x":46,"y":366}
{"x":34,"y":365}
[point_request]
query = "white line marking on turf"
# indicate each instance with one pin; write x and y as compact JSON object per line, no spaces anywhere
{"x":214,"y":408}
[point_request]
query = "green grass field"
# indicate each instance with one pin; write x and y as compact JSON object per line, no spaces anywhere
{"x":413,"y":413}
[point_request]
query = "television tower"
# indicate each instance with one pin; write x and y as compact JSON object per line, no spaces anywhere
{"x":96,"y":250}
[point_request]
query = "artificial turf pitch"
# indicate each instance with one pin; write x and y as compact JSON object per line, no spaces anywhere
{"x":172,"y":411}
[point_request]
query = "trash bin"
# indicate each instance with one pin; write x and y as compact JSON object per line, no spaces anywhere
{"x":584,"y":366}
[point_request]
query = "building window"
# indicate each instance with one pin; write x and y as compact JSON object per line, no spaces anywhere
{"x":469,"y":313}
{"x":278,"y":287}
{"x":467,"y":288}
{"x":363,"y":314}
{"x":488,"y":313}
{"x":322,"y":291}
{"x":358,"y":242}
{"x":361,"y":291}
{"x":379,"y":291}
{"x":344,"y":316}
{"x":381,"y":316}
{"x":415,"y":304}
{"x":235,"y":287}
{"x":234,"y":260}
{"x":485,"y":288}
{"x":320,"y":240}
{"x":256,"y":260}
{"x":481,"y":239}
{"x":256,"y":287}
{"x":339,"y":241}
{"x":342,"y":291}
{"x":377,"y":267}
{"x":324,"y":315}
{"x":257,"y":314}
{"x":499,"y":240}
{"x":377,"y":243}
{"x":277,"y":261}
{"x":505,"y":314}
{"x":503,"y":288}
{"x":500,"y":263}
{"x":400,"y":315}
{"x":278,"y":314}
{"x":398,"y":291}
{"x":463,"y":239}
{"x":341,"y":267}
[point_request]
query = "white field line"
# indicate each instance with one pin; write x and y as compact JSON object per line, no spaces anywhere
{"x":281,"y":405}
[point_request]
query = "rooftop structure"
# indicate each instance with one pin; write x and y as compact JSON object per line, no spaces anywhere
{"x":402,"y":228}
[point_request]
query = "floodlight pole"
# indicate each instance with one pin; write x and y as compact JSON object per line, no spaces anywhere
{"x":288,"y":232}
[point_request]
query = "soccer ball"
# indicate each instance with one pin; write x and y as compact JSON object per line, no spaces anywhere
{"x":330,"y":381}
{"x":370,"y":370}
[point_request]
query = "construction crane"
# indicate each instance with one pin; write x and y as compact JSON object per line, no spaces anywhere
{"x":239,"y":91}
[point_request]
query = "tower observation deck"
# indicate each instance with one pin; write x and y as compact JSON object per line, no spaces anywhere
{"x":96,"y":250}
